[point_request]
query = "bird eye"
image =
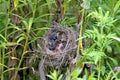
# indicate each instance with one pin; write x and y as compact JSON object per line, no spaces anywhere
{"x":59,"y":38}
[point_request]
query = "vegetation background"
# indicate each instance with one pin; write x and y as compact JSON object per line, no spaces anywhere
{"x":23,"y":22}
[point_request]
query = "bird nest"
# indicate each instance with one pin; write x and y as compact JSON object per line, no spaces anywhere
{"x":58,"y":45}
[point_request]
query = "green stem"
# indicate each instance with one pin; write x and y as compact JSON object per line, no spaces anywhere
{"x":3,"y":56}
{"x":99,"y":63}
{"x":25,"y":48}
{"x":5,"y":33}
{"x":80,"y":35}
{"x":7,"y":17}
{"x":34,"y":11}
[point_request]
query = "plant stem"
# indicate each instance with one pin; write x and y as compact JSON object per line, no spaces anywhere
{"x":5,"y":34}
{"x":25,"y":48}
{"x":3,"y":56}
{"x":80,"y":35}
{"x":34,"y":11}
{"x":99,"y":63}
{"x":7,"y":17}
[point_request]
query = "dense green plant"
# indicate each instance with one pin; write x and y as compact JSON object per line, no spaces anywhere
{"x":54,"y":75}
{"x":101,"y":37}
{"x":23,"y":22}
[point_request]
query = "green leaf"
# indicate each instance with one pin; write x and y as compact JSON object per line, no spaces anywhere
{"x":91,"y":77}
{"x":108,"y":77}
{"x":16,"y":3}
{"x":30,"y":24}
{"x":116,"y":6}
{"x":109,"y":49}
{"x":113,"y":60}
{"x":20,"y":38}
{"x":103,"y":70}
{"x":3,"y":65}
{"x":11,"y":43}
{"x":54,"y":74}
{"x":76,"y":73}
{"x":68,"y":73}
{"x":23,"y":68}
{"x":79,"y":79}
{"x":116,"y":38}
{"x":100,"y":12}
{"x":96,"y":56}
{"x":40,"y":18}
{"x":9,"y":69}
{"x":25,"y":23}
{"x":60,"y":77}
{"x":3,"y":37}
{"x":3,"y":44}
{"x":51,"y":77}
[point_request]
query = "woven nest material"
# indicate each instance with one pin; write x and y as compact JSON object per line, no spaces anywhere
{"x":59,"y":57}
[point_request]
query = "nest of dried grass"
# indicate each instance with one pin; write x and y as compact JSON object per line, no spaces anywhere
{"x":57,"y":58}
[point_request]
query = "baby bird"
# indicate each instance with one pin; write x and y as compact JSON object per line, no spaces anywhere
{"x":57,"y":41}
{"x":52,"y":48}
{"x":60,"y":47}
{"x":52,"y":45}
{"x":64,"y":37}
{"x":53,"y":36}
{"x":50,"y":41}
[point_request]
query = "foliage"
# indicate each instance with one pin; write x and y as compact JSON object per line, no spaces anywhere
{"x":53,"y":75}
{"x":24,"y":22}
